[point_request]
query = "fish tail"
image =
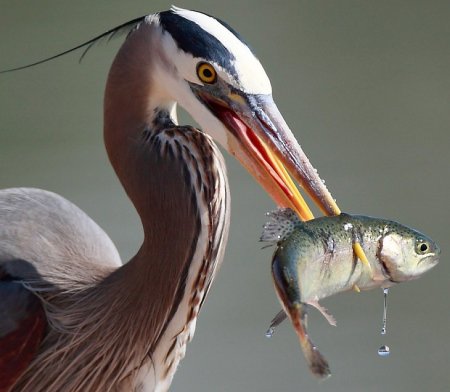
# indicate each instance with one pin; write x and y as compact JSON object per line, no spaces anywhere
{"x":316,"y":361}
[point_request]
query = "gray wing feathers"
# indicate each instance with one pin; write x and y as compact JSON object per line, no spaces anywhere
{"x":41,"y":231}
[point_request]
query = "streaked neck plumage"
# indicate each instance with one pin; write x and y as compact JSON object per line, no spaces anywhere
{"x":175,"y":177}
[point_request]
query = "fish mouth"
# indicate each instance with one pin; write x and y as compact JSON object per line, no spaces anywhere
{"x":429,"y":261}
{"x":414,"y":271}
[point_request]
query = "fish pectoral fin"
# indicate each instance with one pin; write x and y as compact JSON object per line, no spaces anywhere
{"x":278,"y":319}
{"x":324,"y":311}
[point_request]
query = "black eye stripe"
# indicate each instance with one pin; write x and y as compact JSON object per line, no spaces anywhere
{"x":193,"y":39}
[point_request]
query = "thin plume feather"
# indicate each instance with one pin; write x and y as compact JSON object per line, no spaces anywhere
{"x":125,"y":28}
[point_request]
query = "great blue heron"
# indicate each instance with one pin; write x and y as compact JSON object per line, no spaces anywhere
{"x":73,"y":318}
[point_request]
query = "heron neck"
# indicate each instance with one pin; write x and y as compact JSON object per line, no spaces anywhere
{"x":131,"y":104}
{"x":156,"y":184}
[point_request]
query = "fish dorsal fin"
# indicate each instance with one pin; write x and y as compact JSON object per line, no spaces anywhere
{"x":280,"y":225}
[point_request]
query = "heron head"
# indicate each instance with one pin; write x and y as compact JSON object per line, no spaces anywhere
{"x":212,"y":73}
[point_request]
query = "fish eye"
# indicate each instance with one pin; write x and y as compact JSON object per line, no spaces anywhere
{"x":422,"y":247}
{"x":206,"y":73}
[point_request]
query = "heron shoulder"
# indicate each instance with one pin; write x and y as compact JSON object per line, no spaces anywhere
{"x":45,"y":230}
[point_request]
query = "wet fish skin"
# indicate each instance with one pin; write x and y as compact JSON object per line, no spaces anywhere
{"x":315,"y":259}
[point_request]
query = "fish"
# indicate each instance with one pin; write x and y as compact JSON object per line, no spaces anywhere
{"x":315,"y":259}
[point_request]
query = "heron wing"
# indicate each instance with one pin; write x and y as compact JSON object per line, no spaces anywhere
{"x":22,"y":328}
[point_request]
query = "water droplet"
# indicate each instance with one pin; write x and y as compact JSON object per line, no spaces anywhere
{"x":384,"y":351}
{"x":269,"y":332}
{"x":383,"y":327}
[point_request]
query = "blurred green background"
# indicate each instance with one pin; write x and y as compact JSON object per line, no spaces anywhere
{"x":365,"y":86}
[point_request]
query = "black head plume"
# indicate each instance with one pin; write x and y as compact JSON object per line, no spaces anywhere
{"x":125,"y":28}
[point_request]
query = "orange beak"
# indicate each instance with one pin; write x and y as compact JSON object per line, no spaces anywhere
{"x":261,"y":140}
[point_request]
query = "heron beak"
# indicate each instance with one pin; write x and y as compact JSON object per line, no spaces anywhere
{"x":261,"y":140}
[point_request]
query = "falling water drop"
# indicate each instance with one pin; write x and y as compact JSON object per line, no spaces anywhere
{"x":384,"y":351}
{"x":383,"y":327}
{"x":270,"y":332}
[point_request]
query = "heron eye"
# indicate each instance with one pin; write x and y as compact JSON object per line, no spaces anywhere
{"x":422,"y":248}
{"x":206,"y":73}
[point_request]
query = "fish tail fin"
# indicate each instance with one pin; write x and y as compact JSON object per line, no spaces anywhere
{"x":316,"y":361}
{"x":280,"y":225}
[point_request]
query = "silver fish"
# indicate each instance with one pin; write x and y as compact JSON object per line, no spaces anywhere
{"x":315,"y":259}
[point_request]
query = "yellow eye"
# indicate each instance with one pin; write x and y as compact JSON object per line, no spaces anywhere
{"x":206,"y":73}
